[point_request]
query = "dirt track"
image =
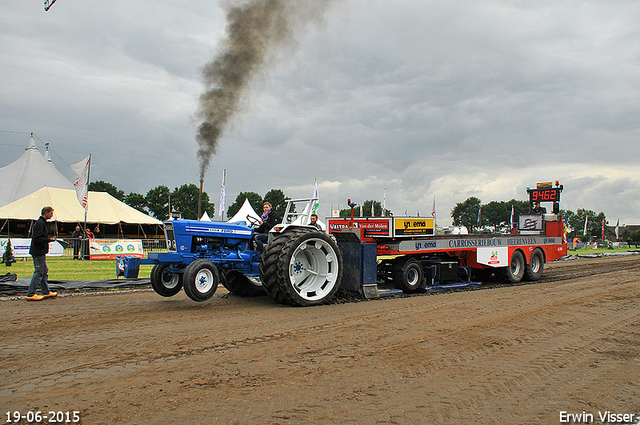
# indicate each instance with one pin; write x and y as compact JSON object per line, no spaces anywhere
{"x":508,"y":355}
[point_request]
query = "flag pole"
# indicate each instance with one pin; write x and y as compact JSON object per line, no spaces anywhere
{"x":88,"y":177}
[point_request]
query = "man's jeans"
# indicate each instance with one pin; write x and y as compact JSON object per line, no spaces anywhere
{"x":40,"y":276}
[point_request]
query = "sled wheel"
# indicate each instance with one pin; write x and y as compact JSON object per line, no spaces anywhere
{"x":201,"y":280}
{"x":409,"y":276}
{"x":164,"y":282}
{"x":514,"y":272}
{"x":240,"y":285}
{"x":534,"y":269}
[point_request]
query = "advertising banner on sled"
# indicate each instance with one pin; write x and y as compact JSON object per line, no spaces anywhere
{"x":101,"y":249}
{"x":20,"y":247}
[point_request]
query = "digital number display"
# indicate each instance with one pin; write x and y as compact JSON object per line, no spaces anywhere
{"x":542,"y":195}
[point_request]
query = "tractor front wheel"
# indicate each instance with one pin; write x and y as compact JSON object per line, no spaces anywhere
{"x":201,"y":280}
{"x":165,"y":282}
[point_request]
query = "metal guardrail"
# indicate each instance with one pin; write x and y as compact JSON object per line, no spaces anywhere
{"x":148,"y":245}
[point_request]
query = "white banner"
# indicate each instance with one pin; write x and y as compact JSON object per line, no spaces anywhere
{"x":103,"y":249}
{"x":81,"y":169}
{"x":20,"y":247}
{"x":494,"y":257}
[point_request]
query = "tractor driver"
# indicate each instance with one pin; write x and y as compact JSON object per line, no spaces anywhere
{"x":268,"y":219}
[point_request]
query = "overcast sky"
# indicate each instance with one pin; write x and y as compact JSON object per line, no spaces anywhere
{"x":423,"y":98}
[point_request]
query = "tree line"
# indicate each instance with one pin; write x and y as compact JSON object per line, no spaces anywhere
{"x":159,"y":200}
{"x":470,"y":213}
{"x":476,"y":216}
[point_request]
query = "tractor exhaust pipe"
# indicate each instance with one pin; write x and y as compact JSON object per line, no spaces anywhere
{"x":200,"y":200}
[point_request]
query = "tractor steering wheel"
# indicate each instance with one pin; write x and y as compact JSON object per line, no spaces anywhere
{"x":253,"y":222}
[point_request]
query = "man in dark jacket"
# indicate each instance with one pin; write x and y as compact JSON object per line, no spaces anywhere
{"x":76,"y":238}
{"x":39,"y":249}
{"x":268,"y":219}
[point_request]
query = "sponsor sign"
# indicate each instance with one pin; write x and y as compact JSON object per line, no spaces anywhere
{"x":20,"y":247}
{"x":100,"y":249}
{"x":528,"y":222}
{"x":413,"y":226}
{"x":372,"y":227}
{"x":494,"y":257}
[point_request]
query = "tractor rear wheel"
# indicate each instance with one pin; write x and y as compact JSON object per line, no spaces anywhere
{"x":240,"y":285}
{"x":164,"y":282}
{"x":302,"y":267}
{"x":201,"y":280}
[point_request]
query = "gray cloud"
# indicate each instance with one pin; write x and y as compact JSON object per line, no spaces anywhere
{"x":423,"y":98}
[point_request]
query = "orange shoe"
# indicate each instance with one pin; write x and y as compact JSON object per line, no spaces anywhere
{"x":50,"y":295}
{"x":35,"y":297}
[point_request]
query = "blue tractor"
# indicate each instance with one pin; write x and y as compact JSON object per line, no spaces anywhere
{"x":299,"y":266}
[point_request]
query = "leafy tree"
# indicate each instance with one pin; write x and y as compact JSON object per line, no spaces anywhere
{"x":594,"y":224}
{"x":498,"y":214}
{"x":137,"y":201}
{"x":466,"y":213}
{"x":277,"y":200}
{"x":158,"y":202}
{"x":254,"y":199}
{"x":102,"y":186}
{"x":185,"y":199}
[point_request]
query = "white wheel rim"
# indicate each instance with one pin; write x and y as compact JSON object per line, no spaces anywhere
{"x":313,"y":269}
{"x":515,"y":266}
{"x":412,"y":277}
{"x":535,"y":264}
{"x":204,"y":281}
{"x":169,"y":280}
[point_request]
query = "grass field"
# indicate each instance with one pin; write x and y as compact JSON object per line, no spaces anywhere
{"x":65,"y":268}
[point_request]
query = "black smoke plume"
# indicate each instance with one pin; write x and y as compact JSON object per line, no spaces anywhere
{"x":255,"y":31}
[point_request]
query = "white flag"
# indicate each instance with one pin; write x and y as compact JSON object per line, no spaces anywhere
{"x":223,"y":193}
{"x":512,"y":213}
{"x":433,"y":210}
{"x":316,"y":198}
{"x":81,"y":170}
{"x":384,"y":203}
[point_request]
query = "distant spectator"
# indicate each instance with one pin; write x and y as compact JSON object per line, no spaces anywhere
{"x":77,"y":242}
{"x":538,"y":209}
{"x":96,"y":233}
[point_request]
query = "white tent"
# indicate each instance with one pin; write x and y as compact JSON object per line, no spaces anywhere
{"x":103,"y":208}
{"x":30,"y":172}
{"x":241,"y":215}
{"x":205,"y":217}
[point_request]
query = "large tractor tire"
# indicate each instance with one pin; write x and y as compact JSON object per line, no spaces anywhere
{"x":302,"y":267}
{"x":164,"y":282}
{"x":240,"y":285}
{"x":514,"y":272}
{"x":534,"y":269}
{"x":408,"y":275}
{"x":201,"y":279}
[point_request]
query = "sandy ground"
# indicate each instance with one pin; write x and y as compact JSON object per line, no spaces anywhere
{"x":504,"y":355}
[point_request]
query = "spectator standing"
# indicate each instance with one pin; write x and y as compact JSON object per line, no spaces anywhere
{"x":76,"y":238}
{"x":38,"y":250}
{"x":96,"y":233}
